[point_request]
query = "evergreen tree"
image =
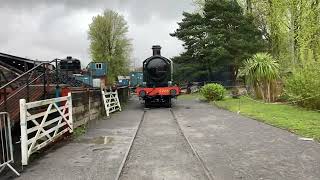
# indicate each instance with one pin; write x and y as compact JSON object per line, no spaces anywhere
{"x":232,"y":36}
{"x":222,"y":37}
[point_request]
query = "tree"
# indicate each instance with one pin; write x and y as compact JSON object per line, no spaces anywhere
{"x":199,"y":5}
{"x":222,"y":37}
{"x":109,"y":43}
{"x":233,"y":37}
{"x":190,"y":65}
{"x":291,"y":28}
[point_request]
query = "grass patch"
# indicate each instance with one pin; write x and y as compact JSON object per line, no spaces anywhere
{"x":79,"y":131}
{"x":294,"y":119}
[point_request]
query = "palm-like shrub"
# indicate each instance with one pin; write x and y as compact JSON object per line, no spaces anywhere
{"x":262,"y":72}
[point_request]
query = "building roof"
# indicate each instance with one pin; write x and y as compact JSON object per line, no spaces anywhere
{"x":17,"y":64}
{"x":3,"y":55}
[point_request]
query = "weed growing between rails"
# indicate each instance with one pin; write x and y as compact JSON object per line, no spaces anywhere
{"x":79,"y":131}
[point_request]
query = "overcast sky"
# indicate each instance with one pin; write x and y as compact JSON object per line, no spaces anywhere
{"x":49,"y":29}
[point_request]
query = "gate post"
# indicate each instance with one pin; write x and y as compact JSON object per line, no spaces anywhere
{"x":117,"y":99}
{"x":24,"y":135}
{"x":70,"y":111}
{"x":105,"y":102}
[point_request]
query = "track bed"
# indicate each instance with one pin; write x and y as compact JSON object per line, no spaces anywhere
{"x":160,"y":151}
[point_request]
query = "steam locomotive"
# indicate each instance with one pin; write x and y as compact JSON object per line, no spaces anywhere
{"x":70,"y":65}
{"x":157,"y":86}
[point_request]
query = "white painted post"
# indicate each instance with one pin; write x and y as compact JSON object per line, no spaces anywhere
{"x":117,"y":99}
{"x":109,"y":94}
{"x":105,"y":102}
{"x":24,"y":135}
{"x":70,"y":111}
{"x":89,"y":107}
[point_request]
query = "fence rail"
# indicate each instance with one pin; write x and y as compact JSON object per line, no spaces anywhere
{"x":38,"y":129}
{"x":6,"y":154}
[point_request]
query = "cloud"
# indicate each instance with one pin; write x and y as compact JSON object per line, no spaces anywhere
{"x":138,"y":9}
{"x":46,"y":29}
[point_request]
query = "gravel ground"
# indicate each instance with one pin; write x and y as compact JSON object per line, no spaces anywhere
{"x":160,"y":151}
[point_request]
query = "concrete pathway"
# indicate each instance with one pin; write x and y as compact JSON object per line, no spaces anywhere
{"x":95,"y":156}
{"x":235,"y":147}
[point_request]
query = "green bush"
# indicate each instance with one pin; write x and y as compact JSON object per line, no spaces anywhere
{"x":213,"y":92}
{"x":302,"y":86}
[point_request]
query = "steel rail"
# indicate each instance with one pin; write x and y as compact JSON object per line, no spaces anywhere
{"x":130,"y":146}
{"x":194,"y":151}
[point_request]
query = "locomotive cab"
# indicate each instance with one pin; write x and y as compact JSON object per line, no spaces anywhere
{"x":157,"y":80}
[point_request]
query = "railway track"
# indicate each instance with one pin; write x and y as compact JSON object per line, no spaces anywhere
{"x":160,"y":150}
{"x":130,"y":146}
{"x":195,"y":153}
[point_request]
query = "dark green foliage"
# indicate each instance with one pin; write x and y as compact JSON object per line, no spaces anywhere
{"x":189,"y":72}
{"x":222,"y":37}
{"x":302,"y":87}
{"x":213,"y":92}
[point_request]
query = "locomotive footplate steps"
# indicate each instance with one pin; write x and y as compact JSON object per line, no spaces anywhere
{"x":160,"y":151}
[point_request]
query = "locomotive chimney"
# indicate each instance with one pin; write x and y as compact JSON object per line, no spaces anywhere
{"x":156,"y":50}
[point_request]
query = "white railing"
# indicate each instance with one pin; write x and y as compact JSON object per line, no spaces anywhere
{"x":41,"y":128}
{"x":111,"y":101}
{"x":6,"y":151}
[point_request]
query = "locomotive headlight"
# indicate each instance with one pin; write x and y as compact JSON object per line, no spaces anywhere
{"x":173,"y":92}
{"x":142,"y":93}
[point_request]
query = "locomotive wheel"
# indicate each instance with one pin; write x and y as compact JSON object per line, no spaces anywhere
{"x":168,"y":103}
{"x":146,"y":103}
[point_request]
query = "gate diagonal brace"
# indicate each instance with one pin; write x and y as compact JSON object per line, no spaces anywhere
{"x":111,"y":101}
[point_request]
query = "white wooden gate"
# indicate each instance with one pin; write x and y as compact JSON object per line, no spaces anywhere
{"x":111,"y":101}
{"x":38,"y":129}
